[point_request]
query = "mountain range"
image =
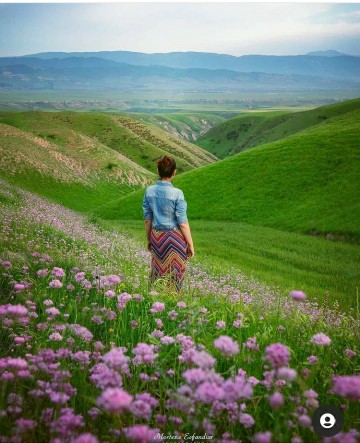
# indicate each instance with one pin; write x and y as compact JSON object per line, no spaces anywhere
{"x":179,"y":71}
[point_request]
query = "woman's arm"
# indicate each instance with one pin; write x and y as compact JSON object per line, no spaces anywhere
{"x":181,"y":217}
{"x":185,"y":229}
{"x":148,"y":216}
{"x":148,"y":224}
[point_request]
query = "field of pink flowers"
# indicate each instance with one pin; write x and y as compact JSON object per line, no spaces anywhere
{"x":90,"y":354}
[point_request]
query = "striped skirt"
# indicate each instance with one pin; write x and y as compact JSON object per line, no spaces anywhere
{"x":168,"y":256}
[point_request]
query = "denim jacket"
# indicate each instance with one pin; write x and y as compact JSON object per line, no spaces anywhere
{"x":165,"y":205}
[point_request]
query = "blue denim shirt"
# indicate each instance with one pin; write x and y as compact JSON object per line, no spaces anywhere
{"x":165,"y":205}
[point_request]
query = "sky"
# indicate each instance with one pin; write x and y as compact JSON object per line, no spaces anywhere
{"x":228,"y":28}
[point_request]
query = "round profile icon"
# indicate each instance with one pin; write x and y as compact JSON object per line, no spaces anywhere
{"x":327,"y":420}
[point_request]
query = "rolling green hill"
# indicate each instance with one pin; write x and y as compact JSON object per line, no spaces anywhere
{"x":84,"y":160}
{"x":257,"y":128}
{"x":188,"y":127}
{"x":308,"y":182}
{"x":138,"y":142}
{"x":80,"y":174}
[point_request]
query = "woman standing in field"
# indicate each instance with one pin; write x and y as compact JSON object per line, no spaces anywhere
{"x":167,"y":229}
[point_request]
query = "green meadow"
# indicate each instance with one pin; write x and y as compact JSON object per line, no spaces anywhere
{"x":306,"y":183}
{"x":327,"y":271}
{"x":285,"y":213}
{"x":257,"y":128}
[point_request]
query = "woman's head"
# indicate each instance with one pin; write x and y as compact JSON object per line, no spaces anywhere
{"x":166,"y":166}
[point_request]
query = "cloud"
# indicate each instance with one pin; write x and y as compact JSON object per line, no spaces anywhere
{"x":236,"y":28}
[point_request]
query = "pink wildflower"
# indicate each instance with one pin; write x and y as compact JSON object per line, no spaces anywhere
{"x":298,"y":295}
{"x":312,"y":359}
{"x":80,"y":276}
{"x":349,"y":353}
{"x":114,"y":400}
{"x":320,"y":339}
{"x":157,"y":307}
{"x":55,"y":337}
{"x":42,"y":272}
{"x":276,"y":400}
{"x":304,"y":421}
{"x":246,"y":420}
{"x":204,"y":360}
{"x":6,"y":264}
{"x":116,"y":359}
{"x":85,"y":438}
{"x":55,"y":284}
{"x":142,"y":434}
{"x":263,"y":437}
{"x":347,"y":386}
{"x":19,"y":287}
{"x":277,"y":355}
{"x":58,"y":272}
{"x":226,"y":345}
{"x":220,"y":324}
{"x":287,"y":374}
{"x":208,"y":392}
{"x":143,"y":354}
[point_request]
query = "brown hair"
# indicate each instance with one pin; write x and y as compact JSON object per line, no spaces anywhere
{"x":166,"y":166}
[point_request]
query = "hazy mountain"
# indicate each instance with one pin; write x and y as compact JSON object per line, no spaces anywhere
{"x":329,"y":53}
{"x":341,"y":66}
{"x":94,"y":73}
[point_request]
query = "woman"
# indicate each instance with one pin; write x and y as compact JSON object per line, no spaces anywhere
{"x":166,"y":225}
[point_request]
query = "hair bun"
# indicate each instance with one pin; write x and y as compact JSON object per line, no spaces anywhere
{"x":166,"y":166}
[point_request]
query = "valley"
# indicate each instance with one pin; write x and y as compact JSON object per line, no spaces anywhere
{"x":282,"y":177}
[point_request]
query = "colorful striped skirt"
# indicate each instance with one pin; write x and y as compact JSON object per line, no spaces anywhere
{"x":168,"y":256}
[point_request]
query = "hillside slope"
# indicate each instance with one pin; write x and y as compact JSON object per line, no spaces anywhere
{"x":257,"y":128}
{"x":140,"y":143}
{"x":308,"y":182}
{"x":187,"y":127}
{"x":80,"y":174}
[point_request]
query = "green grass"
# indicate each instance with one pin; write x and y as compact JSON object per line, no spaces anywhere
{"x":75,"y":196}
{"x":257,"y":128}
{"x":325,"y":270}
{"x":309,"y":182}
{"x":238,"y":133}
{"x":140,"y":143}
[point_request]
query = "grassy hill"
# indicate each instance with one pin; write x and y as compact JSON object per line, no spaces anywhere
{"x":85,"y":160}
{"x":308,"y":182}
{"x":81,"y":174}
{"x":188,"y":127}
{"x":257,"y":128}
{"x":138,"y":142}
